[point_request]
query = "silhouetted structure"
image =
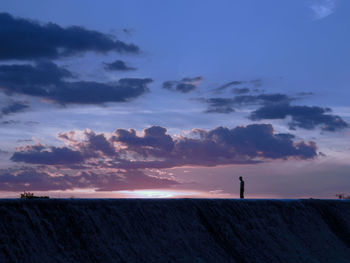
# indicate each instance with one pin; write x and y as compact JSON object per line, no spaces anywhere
{"x":241,"y":190}
{"x":342,"y":196}
{"x":29,"y":195}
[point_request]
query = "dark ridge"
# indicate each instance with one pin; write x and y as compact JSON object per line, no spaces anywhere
{"x":338,"y":221}
{"x":174,"y":230}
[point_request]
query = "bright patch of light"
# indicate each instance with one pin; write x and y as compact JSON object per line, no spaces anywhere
{"x":159,"y":194}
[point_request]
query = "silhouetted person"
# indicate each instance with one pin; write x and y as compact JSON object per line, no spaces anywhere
{"x":241,"y":189}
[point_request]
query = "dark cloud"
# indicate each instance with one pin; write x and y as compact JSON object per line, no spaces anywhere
{"x":261,"y":99}
{"x":31,"y":179}
{"x":91,"y":92}
{"x":93,"y":143}
{"x":155,"y":141}
{"x":124,"y":149}
{"x":27,"y":76}
{"x":84,"y":164}
{"x":24,"y":39}
{"x":240,"y":90}
{"x":117,"y":65}
{"x":14,"y":122}
{"x":219,"y":105}
{"x":187,"y":79}
{"x":278,"y":106}
{"x":285,"y":136}
{"x":227,"y":105}
{"x":227,"y":85}
{"x":47,"y":80}
{"x":14,"y":107}
{"x":180,"y":87}
{"x":302,"y":116}
{"x":38,"y":154}
{"x":184,"y":86}
{"x":10,"y":122}
{"x":255,"y":83}
{"x":259,"y":140}
{"x":120,"y":161}
{"x":98,"y":142}
{"x":241,"y":145}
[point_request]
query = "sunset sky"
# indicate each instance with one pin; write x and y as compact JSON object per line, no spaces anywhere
{"x":175,"y":98}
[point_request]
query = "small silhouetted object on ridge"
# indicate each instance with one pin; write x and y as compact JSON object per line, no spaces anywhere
{"x":342,"y":196}
{"x":241,"y":190}
{"x":29,"y":195}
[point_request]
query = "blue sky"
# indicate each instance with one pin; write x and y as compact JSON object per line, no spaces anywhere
{"x":285,"y":65}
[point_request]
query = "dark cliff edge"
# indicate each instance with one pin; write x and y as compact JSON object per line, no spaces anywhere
{"x":174,"y":230}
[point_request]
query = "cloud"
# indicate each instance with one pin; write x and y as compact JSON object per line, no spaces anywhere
{"x":323,"y":8}
{"x":255,"y":82}
{"x":91,"y":92}
{"x":155,"y":141}
{"x":10,"y":122}
{"x":278,"y":106}
{"x":240,"y":90}
{"x":41,"y":180}
{"x":24,"y":75}
{"x":14,"y":122}
{"x":302,"y":116}
{"x":229,"y":84}
{"x":124,"y":149}
{"x":117,"y":65}
{"x":39,"y":154}
{"x":24,"y":39}
{"x":93,"y":145}
{"x":183,"y":86}
{"x":47,"y":80}
{"x":227,"y":105}
{"x":14,"y":107}
{"x":219,"y":105}
{"x":260,"y":141}
{"x":261,"y":99}
{"x":126,"y":160}
{"x":194,"y":79}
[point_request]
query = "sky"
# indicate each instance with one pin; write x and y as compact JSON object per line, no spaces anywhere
{"x":174,"y":99}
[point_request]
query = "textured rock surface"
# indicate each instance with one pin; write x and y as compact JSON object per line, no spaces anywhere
{"x":178,"y":230}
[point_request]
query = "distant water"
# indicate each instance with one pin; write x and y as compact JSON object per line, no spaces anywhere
{"x":177,"y":230}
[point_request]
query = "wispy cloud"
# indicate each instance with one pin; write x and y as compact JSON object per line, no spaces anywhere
{"x":322,"y":8}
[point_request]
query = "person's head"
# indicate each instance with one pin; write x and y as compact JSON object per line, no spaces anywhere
{"x":240,"y":178}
